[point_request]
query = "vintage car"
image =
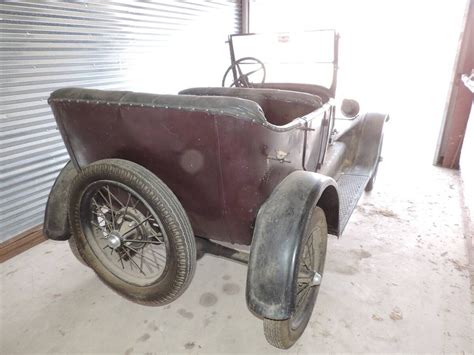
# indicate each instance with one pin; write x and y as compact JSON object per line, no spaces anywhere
{"x":155,"y":181}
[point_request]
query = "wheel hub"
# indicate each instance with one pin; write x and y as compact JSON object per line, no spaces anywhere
{"x":316,"y":280}
{"x":131,"y":230}
{"x":114,"y":240}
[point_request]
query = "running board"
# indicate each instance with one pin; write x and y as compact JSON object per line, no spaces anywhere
{"x":351,"y":160}
{"x":351,"y":186}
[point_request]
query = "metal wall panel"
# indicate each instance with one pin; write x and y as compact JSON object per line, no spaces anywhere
{"x":152,"y":46}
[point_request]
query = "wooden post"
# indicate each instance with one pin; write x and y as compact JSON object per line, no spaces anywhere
{"x":458,"y":106}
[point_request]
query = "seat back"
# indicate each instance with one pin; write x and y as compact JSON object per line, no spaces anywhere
{"x":280,"y":107}
{"x":320,"y":91}
{"x":223,"y":105}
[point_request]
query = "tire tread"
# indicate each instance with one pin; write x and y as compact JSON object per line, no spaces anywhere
{"x":173,"y":216}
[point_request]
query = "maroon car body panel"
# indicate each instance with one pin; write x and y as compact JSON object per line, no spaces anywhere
{"x":220,"y":166}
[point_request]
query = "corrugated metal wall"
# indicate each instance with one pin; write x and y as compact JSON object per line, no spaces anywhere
{"x":153,"y":46}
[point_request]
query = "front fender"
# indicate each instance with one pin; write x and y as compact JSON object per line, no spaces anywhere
{"x":370,"y":139}
{"x":277,"y":237}
{"x":56,"y":225}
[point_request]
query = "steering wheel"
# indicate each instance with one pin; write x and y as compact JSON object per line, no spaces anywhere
{"x":243,"y":78}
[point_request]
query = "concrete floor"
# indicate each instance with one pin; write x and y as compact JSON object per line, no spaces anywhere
{"x":397,"y":281}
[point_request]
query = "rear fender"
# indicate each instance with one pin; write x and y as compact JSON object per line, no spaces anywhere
{"x":277,"y":237}
{"x":56,"y":225}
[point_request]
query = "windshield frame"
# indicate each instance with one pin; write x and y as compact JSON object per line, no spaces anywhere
{"x":335,"y":61}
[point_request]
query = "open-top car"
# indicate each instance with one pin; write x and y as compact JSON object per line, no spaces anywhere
{"x":155,"y":180}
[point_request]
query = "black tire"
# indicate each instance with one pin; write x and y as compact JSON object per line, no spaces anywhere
{"x":159,"y":221}
{"x":284,"y":333}
{"x":75,"y":251}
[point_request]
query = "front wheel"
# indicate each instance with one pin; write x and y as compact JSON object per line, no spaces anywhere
{"x":284,"y":333}
{"x":132,"y":231}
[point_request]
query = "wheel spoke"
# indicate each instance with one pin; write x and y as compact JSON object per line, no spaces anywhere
{"x":136,"y":204}
{"x":107,"y":222}
{"x":156,"y":252}
{"x":303,"y":296}
{"x":109,"y":206}
{"x":113,"y":196}
{"x":106,"y":201}
{"x":97,"y":206}
{"x":303,"y":282}
{"x":311,"y":249}
{"x":138,"y":252}
{"x":96,"y":225}
{"x":121,"y":260}
{"x":135,"y":227}
{"x":159,"y":234}
{"x":126,"y":205}
{"x":304,"y":275}
{"x":305,"y":264}
{"x":301,"y":290}
{"x":131,"y":259}
{"x":156,"y":228}
{"x":141,"y":260}
{"x":154,"y":258}
{"x":306,"y":271}
{"x":143,"y":241}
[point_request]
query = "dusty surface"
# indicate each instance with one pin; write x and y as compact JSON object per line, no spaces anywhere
{"x":397,"y":281}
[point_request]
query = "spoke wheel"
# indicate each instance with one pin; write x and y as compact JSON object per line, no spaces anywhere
{"x":310,"y":266}
{"x":131,"y":229}
{"x":124,"y":232}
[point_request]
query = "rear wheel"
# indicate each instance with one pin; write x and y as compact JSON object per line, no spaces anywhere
{"x":284,"y":333}
{"x":131,"y":229}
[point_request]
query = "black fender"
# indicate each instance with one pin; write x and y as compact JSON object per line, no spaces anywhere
{"x":277,"y":238}
{"x":368,"y":148}
{"x":56,"y":225}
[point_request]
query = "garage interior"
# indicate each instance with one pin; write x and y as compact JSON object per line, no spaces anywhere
{"x":399,"y":279}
